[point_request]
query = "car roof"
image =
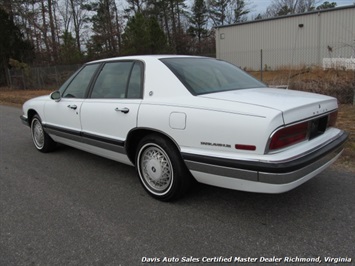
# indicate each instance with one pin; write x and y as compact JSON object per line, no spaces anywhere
{"x":144,"y":57}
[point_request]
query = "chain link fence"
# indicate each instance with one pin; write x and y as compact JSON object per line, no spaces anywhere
{"x":51,"y":77}
{"x":274,"y":59}
{"x":319,"y":70}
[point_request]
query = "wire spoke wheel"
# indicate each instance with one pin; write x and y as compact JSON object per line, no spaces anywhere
{"x":42,"y":141}
{"x":161,"y":169}
{"x":156,"y":168}
{"x":37,"y":133}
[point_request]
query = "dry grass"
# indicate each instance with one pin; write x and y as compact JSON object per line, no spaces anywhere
{"x":336,"y":83}
{"x":346,"y":120}
{"x":18,"y":97}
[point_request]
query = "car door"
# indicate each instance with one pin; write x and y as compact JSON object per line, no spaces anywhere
{"x":64,"y":115}
{"x":110,"y":111}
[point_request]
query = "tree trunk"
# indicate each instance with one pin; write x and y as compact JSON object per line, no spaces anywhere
{"x":44,"y":27}
{"x":53,"y":31}
{"x":76,"y":25}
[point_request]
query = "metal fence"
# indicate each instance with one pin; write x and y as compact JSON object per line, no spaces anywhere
{"x":274,"y":59}
{"x":339,"y":63}
{"x":314,"y":69}
{"x":51,"y":77}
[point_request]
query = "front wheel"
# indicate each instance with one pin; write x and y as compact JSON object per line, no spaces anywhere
{"x":41,"y":139}
{"x":161,"y":169}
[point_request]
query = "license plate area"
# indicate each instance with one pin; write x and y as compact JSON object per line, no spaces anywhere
{"x":317,"y":127}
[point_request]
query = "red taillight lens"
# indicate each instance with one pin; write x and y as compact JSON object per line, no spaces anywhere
{"x":332,"y":119}
{"x":245,"y":147}
{"x":288,"y":136}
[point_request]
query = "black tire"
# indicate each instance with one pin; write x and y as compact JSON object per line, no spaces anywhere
{"x":161,"y":169}
{"x":42,"y":141}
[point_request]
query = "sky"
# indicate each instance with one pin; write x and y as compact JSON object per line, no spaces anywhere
{"x":259,"y":6}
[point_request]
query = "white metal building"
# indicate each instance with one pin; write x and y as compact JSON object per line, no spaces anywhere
{"x":293,"y":40}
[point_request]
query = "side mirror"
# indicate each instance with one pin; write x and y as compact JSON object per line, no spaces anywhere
{"x":55,"y":95}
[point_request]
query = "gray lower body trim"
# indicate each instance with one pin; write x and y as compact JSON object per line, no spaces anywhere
{"x":222,"y":171}
{"x":86,"y":140}
{"x":263,"y":177}
{"x":284,"y":178}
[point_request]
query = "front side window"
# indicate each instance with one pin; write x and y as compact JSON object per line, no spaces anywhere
{"x":118,"y":80}
{"x":207,"y":75}
{"x":79,"y":84}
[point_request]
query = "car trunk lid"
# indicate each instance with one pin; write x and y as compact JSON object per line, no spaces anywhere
{"x":294,"y":105}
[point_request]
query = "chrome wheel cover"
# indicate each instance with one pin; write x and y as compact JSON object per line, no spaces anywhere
{"x":37,"y":133}
{"x":155,"y":169}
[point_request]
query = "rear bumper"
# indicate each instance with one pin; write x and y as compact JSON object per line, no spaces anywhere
{"x":265,"y":176}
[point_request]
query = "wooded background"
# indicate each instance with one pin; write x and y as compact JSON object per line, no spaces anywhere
{"x":67,"y":32}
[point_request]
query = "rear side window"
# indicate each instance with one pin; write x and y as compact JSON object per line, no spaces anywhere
{"x":118,"y":80}
{"x":207,"y":75}
{"x":135,"y":82}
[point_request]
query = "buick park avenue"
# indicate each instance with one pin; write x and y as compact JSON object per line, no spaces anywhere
{"x":178,"y":119}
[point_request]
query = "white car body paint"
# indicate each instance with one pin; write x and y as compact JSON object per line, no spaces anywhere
{"x":220,"y":120}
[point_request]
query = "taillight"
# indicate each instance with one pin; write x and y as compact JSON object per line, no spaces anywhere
{"x":307,"y":130}
{"x":332,"y":119}
{"x":245,"y":147}
{"x":288,"y":136}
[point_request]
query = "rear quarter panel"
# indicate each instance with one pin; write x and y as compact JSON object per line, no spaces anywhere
{"x":211,"y":131}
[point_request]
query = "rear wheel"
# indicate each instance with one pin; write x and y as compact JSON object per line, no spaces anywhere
{"x":42,"y":141}
{"x":161,"y":169}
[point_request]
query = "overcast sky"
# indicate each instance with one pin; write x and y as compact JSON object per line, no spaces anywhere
{"x":259,"y":6}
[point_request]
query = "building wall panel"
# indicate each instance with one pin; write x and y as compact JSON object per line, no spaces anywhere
{"x":292,"y":40}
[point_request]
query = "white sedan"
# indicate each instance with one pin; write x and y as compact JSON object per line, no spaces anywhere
{"x":180,"y":118}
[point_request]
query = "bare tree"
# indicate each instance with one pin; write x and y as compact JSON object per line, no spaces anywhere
{"x":79,"y":15}
{"x":53,"y":31}
{"x":135,"y":5}
{"x":287,"y":7}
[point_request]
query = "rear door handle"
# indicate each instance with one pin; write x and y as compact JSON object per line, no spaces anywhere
{"x":72,"y":106}
{"x":124,"y":110}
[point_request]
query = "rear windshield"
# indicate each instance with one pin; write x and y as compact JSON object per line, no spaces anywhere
{"x":208,"y":75}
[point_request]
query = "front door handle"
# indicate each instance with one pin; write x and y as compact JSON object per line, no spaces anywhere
{"x":72,"y":106}
{"x":124,"y":110}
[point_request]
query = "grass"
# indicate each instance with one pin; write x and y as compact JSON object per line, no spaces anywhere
{"x":18,"y":97}
{"x":346,"y":121}
{"x":337,"y":83}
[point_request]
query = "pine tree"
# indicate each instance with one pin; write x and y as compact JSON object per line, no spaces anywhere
{"x":143,"y":36}
{"x":12,"y":45}
{"x":198,"y":22}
